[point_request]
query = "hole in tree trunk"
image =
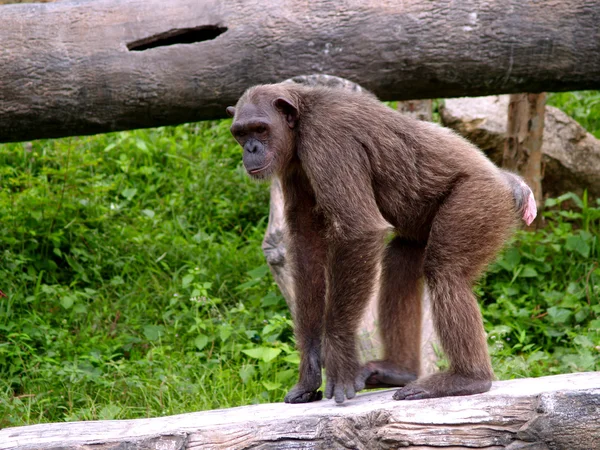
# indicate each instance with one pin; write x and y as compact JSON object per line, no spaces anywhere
{"x":178,"y":36}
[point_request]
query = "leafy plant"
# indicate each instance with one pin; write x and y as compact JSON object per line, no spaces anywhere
{"x":583,"y":106}
{"x":542,"y":296}
{"x":125,"y":260}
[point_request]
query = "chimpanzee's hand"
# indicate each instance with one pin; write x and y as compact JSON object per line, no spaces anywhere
{"x":341,"y":368}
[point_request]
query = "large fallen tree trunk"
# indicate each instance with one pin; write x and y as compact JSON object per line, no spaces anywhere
{"x":560,"y":412}
{"x":84,"y":67}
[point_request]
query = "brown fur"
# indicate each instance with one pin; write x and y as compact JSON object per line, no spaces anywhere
{"x":353,"y":171}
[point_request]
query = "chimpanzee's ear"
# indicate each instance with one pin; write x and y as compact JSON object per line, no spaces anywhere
{"x":230,"y":111}
{"x":289,"y":110}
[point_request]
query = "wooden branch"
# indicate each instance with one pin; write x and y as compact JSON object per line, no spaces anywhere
{"x":84,"y":67}
{"x":558,"y":412}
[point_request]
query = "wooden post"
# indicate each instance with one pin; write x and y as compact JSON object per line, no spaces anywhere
{"x":523,"y":147}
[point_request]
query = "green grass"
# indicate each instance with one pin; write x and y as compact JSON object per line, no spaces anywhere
{"x":137,"y":287}
{"x":122,"y":256}
{"x":541,"y":297}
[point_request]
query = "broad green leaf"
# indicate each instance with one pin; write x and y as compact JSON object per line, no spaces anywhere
{"x":285,"y":375}
{"x":109,"y":147}
{"x":224,"y":332}
{"x":584,"y":341}
{"x":247,"y":284}
{"x":528,"y":272}
{"x":512,"y":258}
{"x":187,"y":280}
{"x":558,"y":315}
{"x":67,"y":301}
{"x":271,"y":299}
{"x":259,"y":272}
{"x":265,"y":354}
{"x":293,"y":358}
{"x":246,"y":372}
{"x":141,"y":145}
{"x":571,"y":196}
{"x":153,"y":332}
{"x":117,"y":280}
{"x":109,"y":412}
{"x":271,"y":386}
{"x":578,"y":244}
{"x":80,"y":309}
{"x":201,"y":341}
{"x":129,"y":193}
{"x":582,"y":314}
{"x":500,"y":330}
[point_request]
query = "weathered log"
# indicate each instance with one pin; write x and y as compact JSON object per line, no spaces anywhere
{"x":81,"y":67}
{"x":561,"y":412}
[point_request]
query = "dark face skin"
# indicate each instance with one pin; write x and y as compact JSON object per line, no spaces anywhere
{"x":266,"y":135}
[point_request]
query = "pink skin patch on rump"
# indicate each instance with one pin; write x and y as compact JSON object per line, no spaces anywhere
{"x":529,"y":209}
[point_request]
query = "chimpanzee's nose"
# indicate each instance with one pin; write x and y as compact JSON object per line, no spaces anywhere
{"x":252,"y":146}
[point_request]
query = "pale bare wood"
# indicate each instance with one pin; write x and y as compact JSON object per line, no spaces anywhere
{"x":7,"y":2}
{"x":65,"y":67}
{"x":557,"y":412}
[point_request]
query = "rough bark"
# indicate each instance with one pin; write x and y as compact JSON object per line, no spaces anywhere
{"x":570,"y":155}
{"x":79,"y":67}
{"x":7,"y":2}
{"x":560,"y":412}
{"x":524,"y":134}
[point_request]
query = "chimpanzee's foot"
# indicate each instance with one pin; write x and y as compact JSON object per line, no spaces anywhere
{"x":301,"y":394}
{"x":444,"y":384}
{"x":382,"y":374}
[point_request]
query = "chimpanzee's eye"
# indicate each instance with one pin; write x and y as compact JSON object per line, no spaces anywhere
{"x":261,"y":129}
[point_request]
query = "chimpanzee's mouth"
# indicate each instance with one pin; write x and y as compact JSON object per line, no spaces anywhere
{"x":259,"y":170}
